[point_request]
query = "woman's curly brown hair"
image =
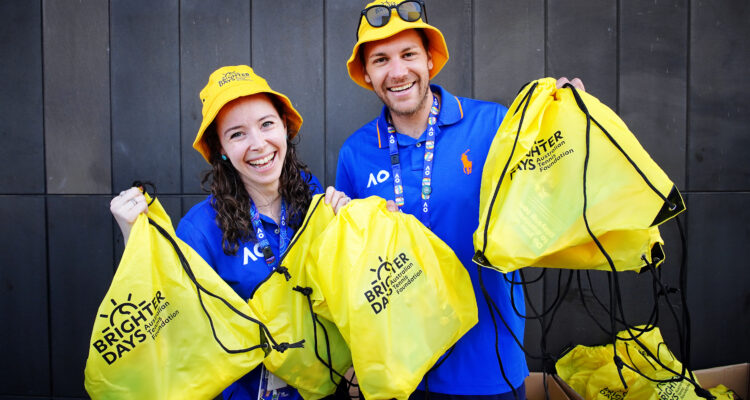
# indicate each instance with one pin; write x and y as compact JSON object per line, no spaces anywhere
{"x":232,"y":202}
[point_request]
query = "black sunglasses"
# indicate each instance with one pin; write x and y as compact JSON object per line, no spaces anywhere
{"x":379,"y":15}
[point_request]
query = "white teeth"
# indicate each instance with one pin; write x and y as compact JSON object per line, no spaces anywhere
{"x":262,"y":160}
{"x":401,"y":88}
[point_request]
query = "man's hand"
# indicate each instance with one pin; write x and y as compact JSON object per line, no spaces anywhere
{"x":575,"y":82}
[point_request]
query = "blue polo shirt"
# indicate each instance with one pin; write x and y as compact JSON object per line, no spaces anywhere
{"x":243,"y":271}
{"x":465,"y":129}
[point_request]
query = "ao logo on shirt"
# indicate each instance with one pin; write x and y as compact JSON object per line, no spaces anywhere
{"x":381,"y":177}
{"x":253,"y":254}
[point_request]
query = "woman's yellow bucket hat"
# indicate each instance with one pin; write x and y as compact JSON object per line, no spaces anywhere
{"x":232,"y":82}
{"x":367,"y":33}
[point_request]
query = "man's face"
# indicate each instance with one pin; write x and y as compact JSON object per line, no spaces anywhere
{"x":399,"y":70}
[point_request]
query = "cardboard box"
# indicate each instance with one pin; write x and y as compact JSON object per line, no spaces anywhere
{"x":535,"y":387}
{"x":735,"y":377}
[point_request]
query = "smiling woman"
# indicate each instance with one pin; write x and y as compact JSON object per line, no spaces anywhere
{"x":259,"y":189}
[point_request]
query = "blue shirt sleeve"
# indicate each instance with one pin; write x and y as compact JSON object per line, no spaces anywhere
{"x":343,"y":183}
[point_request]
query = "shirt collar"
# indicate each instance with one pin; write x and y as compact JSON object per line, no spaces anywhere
{"x":451,"y":111}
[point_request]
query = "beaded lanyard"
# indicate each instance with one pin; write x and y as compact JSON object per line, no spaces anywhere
{"x":260,"y":234}
{"x":429,"y":153}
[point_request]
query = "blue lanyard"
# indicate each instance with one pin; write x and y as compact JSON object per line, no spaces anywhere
{"x":260,"y":234}
{"x":429,"y":153}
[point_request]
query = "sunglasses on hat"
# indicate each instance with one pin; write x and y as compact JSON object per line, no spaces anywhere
{"x":379,"y":15}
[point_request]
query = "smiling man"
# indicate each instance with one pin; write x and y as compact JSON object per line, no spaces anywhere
{"x":425,"y":153}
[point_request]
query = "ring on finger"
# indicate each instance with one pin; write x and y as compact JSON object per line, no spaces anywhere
{"x":135,"y":203}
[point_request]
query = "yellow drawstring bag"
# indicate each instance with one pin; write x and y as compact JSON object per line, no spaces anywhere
{"x":397,"y":293}
{"x":280,"y":302}
{"x":563,"y":168}
{"x":592,"y":372}
{"x":169,"y":327}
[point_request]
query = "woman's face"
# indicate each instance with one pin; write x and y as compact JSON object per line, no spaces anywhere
{"x":253,"y":137}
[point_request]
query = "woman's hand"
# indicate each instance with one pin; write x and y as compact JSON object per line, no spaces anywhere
{"x":126,"y":207}
{"x":336,"y":199}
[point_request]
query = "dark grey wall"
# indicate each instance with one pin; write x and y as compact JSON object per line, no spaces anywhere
{"x":98,"y":93}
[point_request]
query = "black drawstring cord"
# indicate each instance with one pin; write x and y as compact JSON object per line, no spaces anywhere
{"x":144,"y":185}
{"x":525,"y":101}
{"x":284,"y":271}
{"x":199,"y":288}
{"x":488,"y":300}
{"x":613,"y":276}
{"x":307,"y":292}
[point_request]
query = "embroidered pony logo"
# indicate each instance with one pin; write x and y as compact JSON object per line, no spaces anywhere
{"x":466,"y":162}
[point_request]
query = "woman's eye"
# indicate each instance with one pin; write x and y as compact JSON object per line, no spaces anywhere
{"x":267,"y":124}
{"x":235,"y":135}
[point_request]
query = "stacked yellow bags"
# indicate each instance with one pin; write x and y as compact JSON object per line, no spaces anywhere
{"x":592,"y":373}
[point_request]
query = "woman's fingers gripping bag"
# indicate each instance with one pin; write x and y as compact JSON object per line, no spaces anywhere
{"x":565,"y":181}
{"x":281,"y":302}
{"x":397,"y":293}
{"x":169,"y":327}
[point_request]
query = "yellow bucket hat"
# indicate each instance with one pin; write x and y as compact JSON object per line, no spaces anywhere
{"x":367,"y":33}
{"x":232,"y":82}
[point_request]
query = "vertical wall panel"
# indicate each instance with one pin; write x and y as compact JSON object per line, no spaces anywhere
{"x":508,"y":52}
{"x":719,"y":96}
{"x":582,"y":42}
{"x":76,"y":96}
{"x":718,"y":295}
{"x":508,"y":47}
{"x":23,"y":297}
{"x":212,"y":35}
{"x":287,"y":39}
{"x":454,"y":19}
{"x":21,"y":128}
{"x":653,"y":79}
{"x":80,"y":268}
{"x":145,"y":93}
{"x":348,"y":106}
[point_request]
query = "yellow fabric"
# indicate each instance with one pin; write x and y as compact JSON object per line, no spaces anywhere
{"x":535,"y":216}
{"x":286,"y":313}
{"x":592,"y":373}
{"x":437,"y":47}
{"x":397,"y":293}
{"x":151,"y":338}
{"x":232,"y":82}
